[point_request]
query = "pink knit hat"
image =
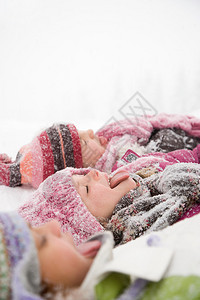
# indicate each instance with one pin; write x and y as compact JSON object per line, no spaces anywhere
{"x":54,"y":149}
{"x":57,"y":198}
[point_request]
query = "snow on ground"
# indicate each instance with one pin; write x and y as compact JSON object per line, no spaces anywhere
{"x":12,"y":198}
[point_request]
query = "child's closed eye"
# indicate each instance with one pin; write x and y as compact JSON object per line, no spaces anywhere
{"x":43,"y":241}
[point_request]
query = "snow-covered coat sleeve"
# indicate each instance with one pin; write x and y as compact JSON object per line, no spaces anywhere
{"x":190,"y":124}
{"x":159,"y":161}
{"x":155,"y":160}
{"x":173,"y":191}
{"x":142,"y":127}
{"x":139,"y":128}
{"x":170,"y":139}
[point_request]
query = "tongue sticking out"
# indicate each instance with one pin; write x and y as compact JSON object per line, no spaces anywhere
{"x":118,"y":178}
{"x":89,"y":249}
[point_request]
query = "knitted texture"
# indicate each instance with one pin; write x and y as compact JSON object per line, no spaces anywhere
{"x":140,"y":128}
{"x":54,"y":149}
{"x":167,"y":139}
{"x":59,"y":146}
{"x":139,"y":131}
{"x":171,"y":193}
{"x":16,"y":256}
{"x":113,"y":151}
{"x":190,"y":124}
{"x":159,"y":161}
{"x":57,"y":198}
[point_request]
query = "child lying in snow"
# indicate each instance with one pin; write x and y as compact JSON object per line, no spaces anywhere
{"x":35,"y":261}
{"x":42,"y":263}
{"x":62,"y":146}
{"x":56,"y":148}
{"x":86,"y":201}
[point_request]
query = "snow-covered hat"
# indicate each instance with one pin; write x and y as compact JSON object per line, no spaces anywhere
{"x":52,"y":150}
{"x":57,"y":198}
{"x":19,"y":266}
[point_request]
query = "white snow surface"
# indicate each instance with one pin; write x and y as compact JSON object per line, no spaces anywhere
{"x":81,"y":61}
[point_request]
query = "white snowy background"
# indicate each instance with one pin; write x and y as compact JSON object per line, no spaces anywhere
{"x":79,"y":61}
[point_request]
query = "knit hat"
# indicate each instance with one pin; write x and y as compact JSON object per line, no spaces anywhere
{"x":19,"y":266}
{"x":57,"y":198}
{"x":54,"y":149}
{"x":65,"y":146}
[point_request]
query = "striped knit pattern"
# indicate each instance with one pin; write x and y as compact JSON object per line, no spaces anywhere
{"x":54,"y":149}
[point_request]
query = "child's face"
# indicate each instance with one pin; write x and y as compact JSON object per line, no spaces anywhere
{"x":96,"y":193}
{"x":61,"y":262}
{"x":92,"y":147}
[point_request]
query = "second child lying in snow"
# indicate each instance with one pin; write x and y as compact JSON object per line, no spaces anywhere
{"x":62,"y":145}
{"x":87,"y":201}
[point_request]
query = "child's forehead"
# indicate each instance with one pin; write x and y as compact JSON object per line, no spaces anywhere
{"x":79,"y":180}
{"x":86,"y":133}
{"x":82,"y":133}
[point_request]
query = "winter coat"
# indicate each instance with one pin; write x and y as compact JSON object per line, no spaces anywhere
{"x":57,"y":197}
{"x":157,"y":160}
{"x":166,"y":140}
{"x":161,"y":133}
{"x":163,"y":198}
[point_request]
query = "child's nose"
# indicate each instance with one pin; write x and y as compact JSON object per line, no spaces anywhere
{"x":91,"y":133}
{"x":94,"y":174}
{"x":53,"y":227}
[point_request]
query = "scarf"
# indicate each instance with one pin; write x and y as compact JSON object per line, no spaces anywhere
{"x":161,"y":200}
